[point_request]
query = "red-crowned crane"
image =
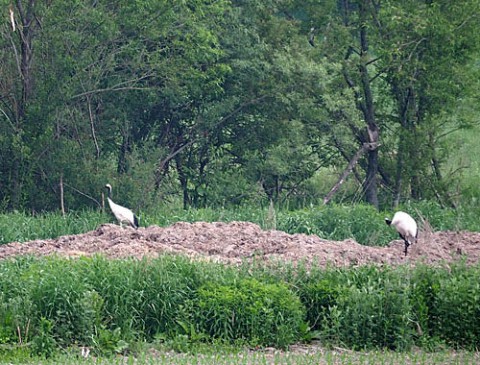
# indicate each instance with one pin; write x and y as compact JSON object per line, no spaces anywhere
{"x":405,"y":226}
{"x":123,"y":215}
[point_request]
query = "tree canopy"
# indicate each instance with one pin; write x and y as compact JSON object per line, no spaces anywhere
{"x":230,"y":102}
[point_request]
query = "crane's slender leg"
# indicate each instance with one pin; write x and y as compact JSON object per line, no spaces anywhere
{"x":406,"y":246}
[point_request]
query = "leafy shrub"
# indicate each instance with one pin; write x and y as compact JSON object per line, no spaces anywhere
{"x":372,"y":310}
{"x":258,"y":313}
{"x":43,"y":343}
{"x":424,"y":287}
{"x":457,"y":306}
{"x":318,"y":297}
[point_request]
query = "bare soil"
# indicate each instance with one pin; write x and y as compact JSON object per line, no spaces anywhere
{"x":235,"y":242}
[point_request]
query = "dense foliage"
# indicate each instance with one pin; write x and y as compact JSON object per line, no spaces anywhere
{"x":231,"y":102}
{"x":110,"y":306}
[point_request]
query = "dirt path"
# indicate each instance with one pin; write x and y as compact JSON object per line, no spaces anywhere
{"x":236,"y":241}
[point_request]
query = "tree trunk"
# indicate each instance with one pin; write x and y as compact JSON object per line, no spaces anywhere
{"x":122,"y":166}
{"x":368,"y":109}
{"x":407,"y":156}
{"x":364,"y":101}
{"x":16,"y":184}
{"x":182,"y":177}
{"x":399,"y":176}
{"x":25,"y":33}
{"x":27,"y":18}
{"x":370,"y":187}
{"x":62,"y":200}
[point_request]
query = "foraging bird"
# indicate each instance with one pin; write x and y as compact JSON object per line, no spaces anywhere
{"x":405,"y":226}
{"x":123,"y":215}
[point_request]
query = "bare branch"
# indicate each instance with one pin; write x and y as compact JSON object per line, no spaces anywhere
{"x":378,"y":74}
{"x":17,"y":58}
{"x":12,"y":17}
{"x":117,"y":87}
{"x":372,"y":61}
{"x":345,"y":173}
{"x":83,"y":194}
{"x":8,"y":119}
{"x":20,"y":9}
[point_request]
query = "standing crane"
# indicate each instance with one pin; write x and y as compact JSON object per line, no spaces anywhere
{"x":123,"y":215}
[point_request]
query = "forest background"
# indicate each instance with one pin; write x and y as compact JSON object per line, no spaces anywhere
{"x":225,"y":103}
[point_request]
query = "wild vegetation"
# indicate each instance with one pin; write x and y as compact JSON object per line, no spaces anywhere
{"x":112,"y":306}
{"x":238,"y":110}
{"x":175,"y":304}
{"x":361,"y":222}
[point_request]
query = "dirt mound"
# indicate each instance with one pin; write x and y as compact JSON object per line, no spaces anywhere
{"x":236,"y":241}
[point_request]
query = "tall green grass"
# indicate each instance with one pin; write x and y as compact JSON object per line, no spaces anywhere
{"x":336,"y":222}
{"x":20,"y":226}
{"x":111,"y":306}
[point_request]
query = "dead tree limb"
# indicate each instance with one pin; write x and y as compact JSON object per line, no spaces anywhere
{"x":365,"y":147}
{"x":62,"y":201}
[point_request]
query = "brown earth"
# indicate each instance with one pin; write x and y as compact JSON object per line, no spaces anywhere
{"x":235,"y":242}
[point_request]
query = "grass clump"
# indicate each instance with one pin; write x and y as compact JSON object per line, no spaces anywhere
{"x":371,"y":313}
{"x":111,"y":306}
{"x":372,"y":307}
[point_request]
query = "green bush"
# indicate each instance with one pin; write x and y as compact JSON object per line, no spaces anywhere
{"x":43,"y":343}
{"x":457,"y":307}
{"x":248,"y":310}
{"x":318,"y":297}
{"x":424,"y":284}
{"x":362,"y":223}
{"x":370,"y":308}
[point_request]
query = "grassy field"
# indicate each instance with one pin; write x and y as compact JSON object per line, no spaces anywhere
{"x":306,"y":357}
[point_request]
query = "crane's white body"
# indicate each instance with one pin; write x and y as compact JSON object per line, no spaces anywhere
{"x":123,"y":215}
{"x":405,"y":226}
